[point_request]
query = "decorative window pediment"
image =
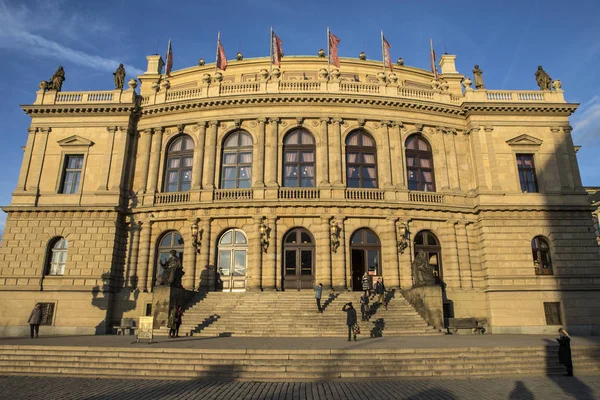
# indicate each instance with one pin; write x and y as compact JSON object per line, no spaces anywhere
{"x":524,"y":140}
{"x":75,"y":140}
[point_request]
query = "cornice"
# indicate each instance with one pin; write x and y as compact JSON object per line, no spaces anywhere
{"x":519,"y":108}
{"x":102,"y":109}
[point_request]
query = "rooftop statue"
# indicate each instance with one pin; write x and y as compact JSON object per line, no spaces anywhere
{"x":478,"y":78}
{"x":543,"y":79}
{"x":422,"y":271}
{"x":57,"y":80}
{"x":119,"y":76}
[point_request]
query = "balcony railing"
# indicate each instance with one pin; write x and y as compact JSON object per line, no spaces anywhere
{"x":84,"y":97}
{"x":365,"y":194}
{"x":240,"y":88}
{"x":172,"y":198}
{"x":511,"y":95}
{"x":233,"y":194}
{"x":299,"y":193}
{"x":299,"y":86}
{"x":184,"y":94}
{"x":426,"y":197}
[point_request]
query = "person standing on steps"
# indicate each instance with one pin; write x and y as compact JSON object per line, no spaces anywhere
{"x":35,"y":319}
{"x":175,"y":321}
{"x":318,"y":291}
{"x":366,"y":283}
{"x":350,"y":319}
{"x":380,"y":291}
{"x":364,"y":306}
{"x":564,"y":351}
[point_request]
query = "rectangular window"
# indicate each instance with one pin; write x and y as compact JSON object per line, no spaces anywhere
{"x":552,"y":311}
{"x":47,"y":313}
{"x":527,"y":173}
{"x":71,"y":174}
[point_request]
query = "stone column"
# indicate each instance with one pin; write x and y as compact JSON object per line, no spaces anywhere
{"x":339,"y":269}
{"x":155,"y":160}
{"x":271,"y":150}
{"x":323,"y":153}
{"x":199,"y":157}
{"x":389,"y":250}
{"x":572,"y":158}
{"x":277,"y":267}
{"x":189,"y":258}
{"x":259,"y":162}
{"x":397,"y":156}
{"x":323,"y":270}
{"x":492,"y":159}
{"x":449,"y":145}
{"x":144,"y":258}
{"x":269,"y":266}
{"x":255,"y":256}
{"x":384,"y":150}
{"x":210,"y":150}
{"x":405,"y":260}
{"x":441,"y":169}
{"x":143,"y":156}
{"x":464,"y":256}
{"x":117,"y":166}
{"x":335,"y":152}
{"x":22,"y":182}
{"x":37,"y":162}
{"x":132,"y":261}
{"x":206,"y":273}
{"x":478,"y":148}
{"x":450,"y":266}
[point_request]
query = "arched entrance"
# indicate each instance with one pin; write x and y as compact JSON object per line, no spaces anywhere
{"x":298,"y":260}
{"x":171,"y":240}
{"x":429,"y":243}
{"x":365,"y":256}
{"x":232,"y":255}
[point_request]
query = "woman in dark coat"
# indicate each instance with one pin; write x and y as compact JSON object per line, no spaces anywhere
{"x":364,"y":307}
{"x":366,"y":284}
{"x":564,"y":351}
{"x":350,"y":319}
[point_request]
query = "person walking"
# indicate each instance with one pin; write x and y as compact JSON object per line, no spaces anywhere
{"x":380,"y":291}
{"x":364,"y":307}
{"x":318,"y":292}
{"x":564,"y":351}
{"x":366,"y":283}
{"x":35,"y":319}
{"x":350,"y":319}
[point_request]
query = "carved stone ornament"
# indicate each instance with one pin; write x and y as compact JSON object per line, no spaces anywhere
{"x":299,"y":121}
{"x":421,"y":270}
{"x":478,"y":77}
{"x":444,"y":86}
{"x":201,"y":62}
{"x":206,"y":79}
{"x":239,"y":56}
{"x":466,"y":82}
{"x":393,"y":78}
{"x":419,"y":127}
{"x":44,"y":85}
{"x":380,"y":77}
{"x":119,"y":77}
{"x":165,"y":84}
{"x":276,"y":73}
{"x":435,"y":84}
{"x":218,"y":77}
{"x":323,"y":74}
{"x":556,"y":84}
{"x":155,"y":86}
{"x":335,"y":75}
{"x":543,"y":79}
{"x":400,"y":62}
{"x":321,"y":53}
{"x":132,"y":84}
{"x":263,"y":74}
{"x":362,"y":56}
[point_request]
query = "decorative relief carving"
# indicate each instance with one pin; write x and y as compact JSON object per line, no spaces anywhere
{"x":360,"y":122}
{"x":237,"y":122}
{"x":299,"y":121}
{"x":419,"y":127}
{"x":488,"y":128}
{"x":314,"y":123}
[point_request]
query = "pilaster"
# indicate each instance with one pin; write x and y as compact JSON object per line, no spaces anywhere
{"x":155,"y":160}
{"x":259,"y":169}
{"x":464,"y":257}
{"x":132,"y":258}
{"x":450,"y":266}
{"x":322,"y":152}
{"x":210,"y":151}
{"x":271,"y":150}
{"x":405,"y":261}
{"x":37,"y":163}
{"x":389,"y":249}
{"x":335,"y":152}
{"x":189,"y":259}
{"x":339,"y":269}
{"x":269,"y":266}
{"x":385,"y":149}
{"x":144,"y":159}
{"x":492,"y":159}
{"x":144,"y":258}
{"x":21,"y":183}
{"x":397,"y":153}
{"x":255,"y":256}
{"x":207,"y":271}
{"x":324,"y":254}
{"x":199,"y":156}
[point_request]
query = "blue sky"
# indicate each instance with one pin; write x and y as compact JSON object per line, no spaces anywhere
{"x":508,"y":39}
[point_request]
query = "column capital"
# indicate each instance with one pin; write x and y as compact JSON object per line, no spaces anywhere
{"x":237,"y":123}
{"x":274,"y":120}
{"x":397,"y":124}
{"x":337,"y":120}
{"x":392,"y":219}
{"x":361,"y":122}
{"x":488,"y":128}
{"x":43,"y":129}
{"x":201,"y":124}
{"x":213,"y":123}
{"x":386,"y":123}
{"x":112,"y":129}
{"x":324,"y":120}
{"x":555,"y":129}
{"x":299,"y":121}
{"x":261,"y":120}
{"x":452,"y":222}
{"x":158,"y":129}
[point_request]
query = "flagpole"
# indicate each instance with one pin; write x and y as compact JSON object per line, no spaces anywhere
{"x":328,"y":57}
{"x":382,"y":52}
{"x":271,"y":50}
{"x":217,"y":54}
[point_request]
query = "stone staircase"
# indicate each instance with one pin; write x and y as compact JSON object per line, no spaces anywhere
{"x":294,"y":314}
{"x":290,"y":365}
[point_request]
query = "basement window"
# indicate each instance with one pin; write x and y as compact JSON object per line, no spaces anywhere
{"x":552,"y":311}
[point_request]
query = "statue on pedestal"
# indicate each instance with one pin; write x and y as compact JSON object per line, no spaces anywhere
{"x":543,"y":79}
{"x":119,"y":76}
{"x":478,"y":77}
{"x":422,"y":271}
{"x":172,"y":271}
{"x":55,"y":83}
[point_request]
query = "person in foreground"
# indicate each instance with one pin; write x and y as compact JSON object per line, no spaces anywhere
{"x":35,"y":319}
{"x":564,"y":351}
{"x":350,"y":319}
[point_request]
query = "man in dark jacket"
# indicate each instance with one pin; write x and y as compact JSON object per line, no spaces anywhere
{"x":318,"y":292}
{"x":380,"y":291}
{"x":350,"y":319}
{"x":35,"y":319}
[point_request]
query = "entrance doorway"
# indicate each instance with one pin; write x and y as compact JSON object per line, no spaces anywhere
{"x":365,"y":250}
{"x":232,"y":259}
{"x":298,"y":260}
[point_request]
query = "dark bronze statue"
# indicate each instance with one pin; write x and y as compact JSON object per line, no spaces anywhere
{"x":422,"y":271}
{"x":57,"y":80}
{"x":543,"y":79}
{"x":172,"y":271}
{"x":478,"y":77}
{"x":119,"y":76}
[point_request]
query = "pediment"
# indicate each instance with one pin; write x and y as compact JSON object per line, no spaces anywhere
{"x":75,"y":141}
{"x":524,"y":140}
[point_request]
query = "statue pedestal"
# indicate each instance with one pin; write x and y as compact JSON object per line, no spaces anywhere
{"x":428,"y":302}
{"x":164,"y":298}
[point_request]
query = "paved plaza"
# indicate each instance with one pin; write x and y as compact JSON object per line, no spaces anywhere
{"x":546,"y":388}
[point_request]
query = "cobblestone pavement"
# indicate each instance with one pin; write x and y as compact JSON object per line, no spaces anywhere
{"x":546,"y":388}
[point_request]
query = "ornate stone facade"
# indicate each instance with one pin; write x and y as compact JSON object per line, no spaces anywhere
{"x":274,"y":180}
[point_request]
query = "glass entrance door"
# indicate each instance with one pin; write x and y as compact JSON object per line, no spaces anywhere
{"x":298,"y":260}
{"x":232,"y":261}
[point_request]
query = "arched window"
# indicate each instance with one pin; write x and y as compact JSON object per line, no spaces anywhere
{"x":361,"y":160}
{"x":419,"y":164}
{"x":365,"y":253}
{"x":236,"y":167}
{"x":57,"y":256}
{"x":299,"y":159}
{"x":180,"y":157}
{"x":541,"y":256}
{"x":429,"y":243}
{"x":171,"y":240}
{"x":232,"y":255}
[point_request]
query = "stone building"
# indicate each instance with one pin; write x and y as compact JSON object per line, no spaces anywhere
{"x":277,"y":178}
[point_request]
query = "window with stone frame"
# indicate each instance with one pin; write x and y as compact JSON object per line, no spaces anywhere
{"x":71,"y":175}
{"x":527,"y":176}
{"x":47,"y":313}
{"x":419,"y":164}
{"x":299,"y":159}
{"x":180,"y":158}
{"x":361,"y":161}
{"x":540,"y":250}
{"x":236,"y":163}
{"x":552,"y":313}
{"x":57,"y":256}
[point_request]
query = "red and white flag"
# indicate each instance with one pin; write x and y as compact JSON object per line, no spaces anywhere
{"x":169,"y":60}
{"x":433,"y":59}
{"x":387,"y":60}
{"x":221,"y":58}
{"x":276,"y":49}
{"x":333,"y":50}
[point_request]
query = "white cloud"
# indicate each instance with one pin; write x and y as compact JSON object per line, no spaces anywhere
{"x":23,"y":30}
{"x":586,"y":121}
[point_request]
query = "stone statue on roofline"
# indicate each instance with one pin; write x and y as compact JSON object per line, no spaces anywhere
{"x":422,"y":271}
{"x":55,"y":83}
{"x":119,"y":76}
{"x":543,"y":79}
{"x":478,"y":77}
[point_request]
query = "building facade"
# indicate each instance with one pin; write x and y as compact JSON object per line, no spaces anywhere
{"x":272,"y":179}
